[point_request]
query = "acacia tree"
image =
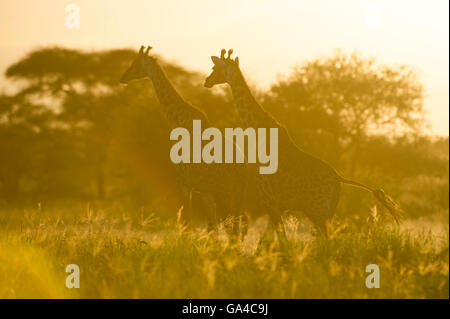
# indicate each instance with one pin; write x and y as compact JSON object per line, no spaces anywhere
{"x":347,"y":98}
{"x":23,"y":131}
{"x":106,"y":126}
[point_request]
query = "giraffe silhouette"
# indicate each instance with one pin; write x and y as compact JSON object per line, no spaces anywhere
{"x":303,"y":182}
{"x":221,"y":188}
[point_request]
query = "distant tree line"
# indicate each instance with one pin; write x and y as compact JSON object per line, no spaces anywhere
{"x":71,"y":132}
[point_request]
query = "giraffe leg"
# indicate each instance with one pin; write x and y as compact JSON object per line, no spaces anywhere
{"x":236,"y":227}
{"x":269,"y":205}
{"x":233,"y":217}
{"x":277,"y":223}
{"x":274,"y":227}
{"x":232,"y":229}
{"x":267,"y":237}
{"x":321,"y":227}
{"x":210,"y":209}
{"x":324,"y":211}
{"x":243,"y":221}
{"x":224,"y":210}
{"x":198,"y":206}
{"x":185,"y":216}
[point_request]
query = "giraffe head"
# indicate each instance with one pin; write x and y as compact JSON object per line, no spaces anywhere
{"x":137,"y":69}
{"x":222,"y":68}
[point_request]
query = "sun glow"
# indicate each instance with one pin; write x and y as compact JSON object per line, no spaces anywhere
{"x":270,"y":36}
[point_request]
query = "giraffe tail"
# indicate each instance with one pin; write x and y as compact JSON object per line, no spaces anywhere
{"x":393,"y":208}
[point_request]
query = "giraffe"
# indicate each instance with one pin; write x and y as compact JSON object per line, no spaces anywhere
{"x":303,"y":182}
{"x":221,"y":188}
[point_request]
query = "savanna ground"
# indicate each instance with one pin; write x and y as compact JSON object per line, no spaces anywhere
{"x":137,"y":254}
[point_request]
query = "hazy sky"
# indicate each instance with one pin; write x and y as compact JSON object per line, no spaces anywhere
{"x":269,"y":37}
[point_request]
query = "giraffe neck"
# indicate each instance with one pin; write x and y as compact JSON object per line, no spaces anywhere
{"x":167,"y":94}
{"x":177,"y":111}
{"x":250,"y":112}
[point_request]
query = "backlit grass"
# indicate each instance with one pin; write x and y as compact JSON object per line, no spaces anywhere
{"x":136,"y":254}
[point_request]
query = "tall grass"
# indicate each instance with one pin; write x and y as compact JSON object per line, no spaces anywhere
{"x":136,"y":254}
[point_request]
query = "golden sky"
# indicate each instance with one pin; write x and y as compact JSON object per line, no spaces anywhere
{"x":269,"y":37}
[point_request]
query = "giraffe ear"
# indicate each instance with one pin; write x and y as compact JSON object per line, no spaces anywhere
{"x":216,"y":60}
{"x":237,"y":60}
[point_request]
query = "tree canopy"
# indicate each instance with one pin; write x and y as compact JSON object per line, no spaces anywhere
{"x":71,"y":131}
